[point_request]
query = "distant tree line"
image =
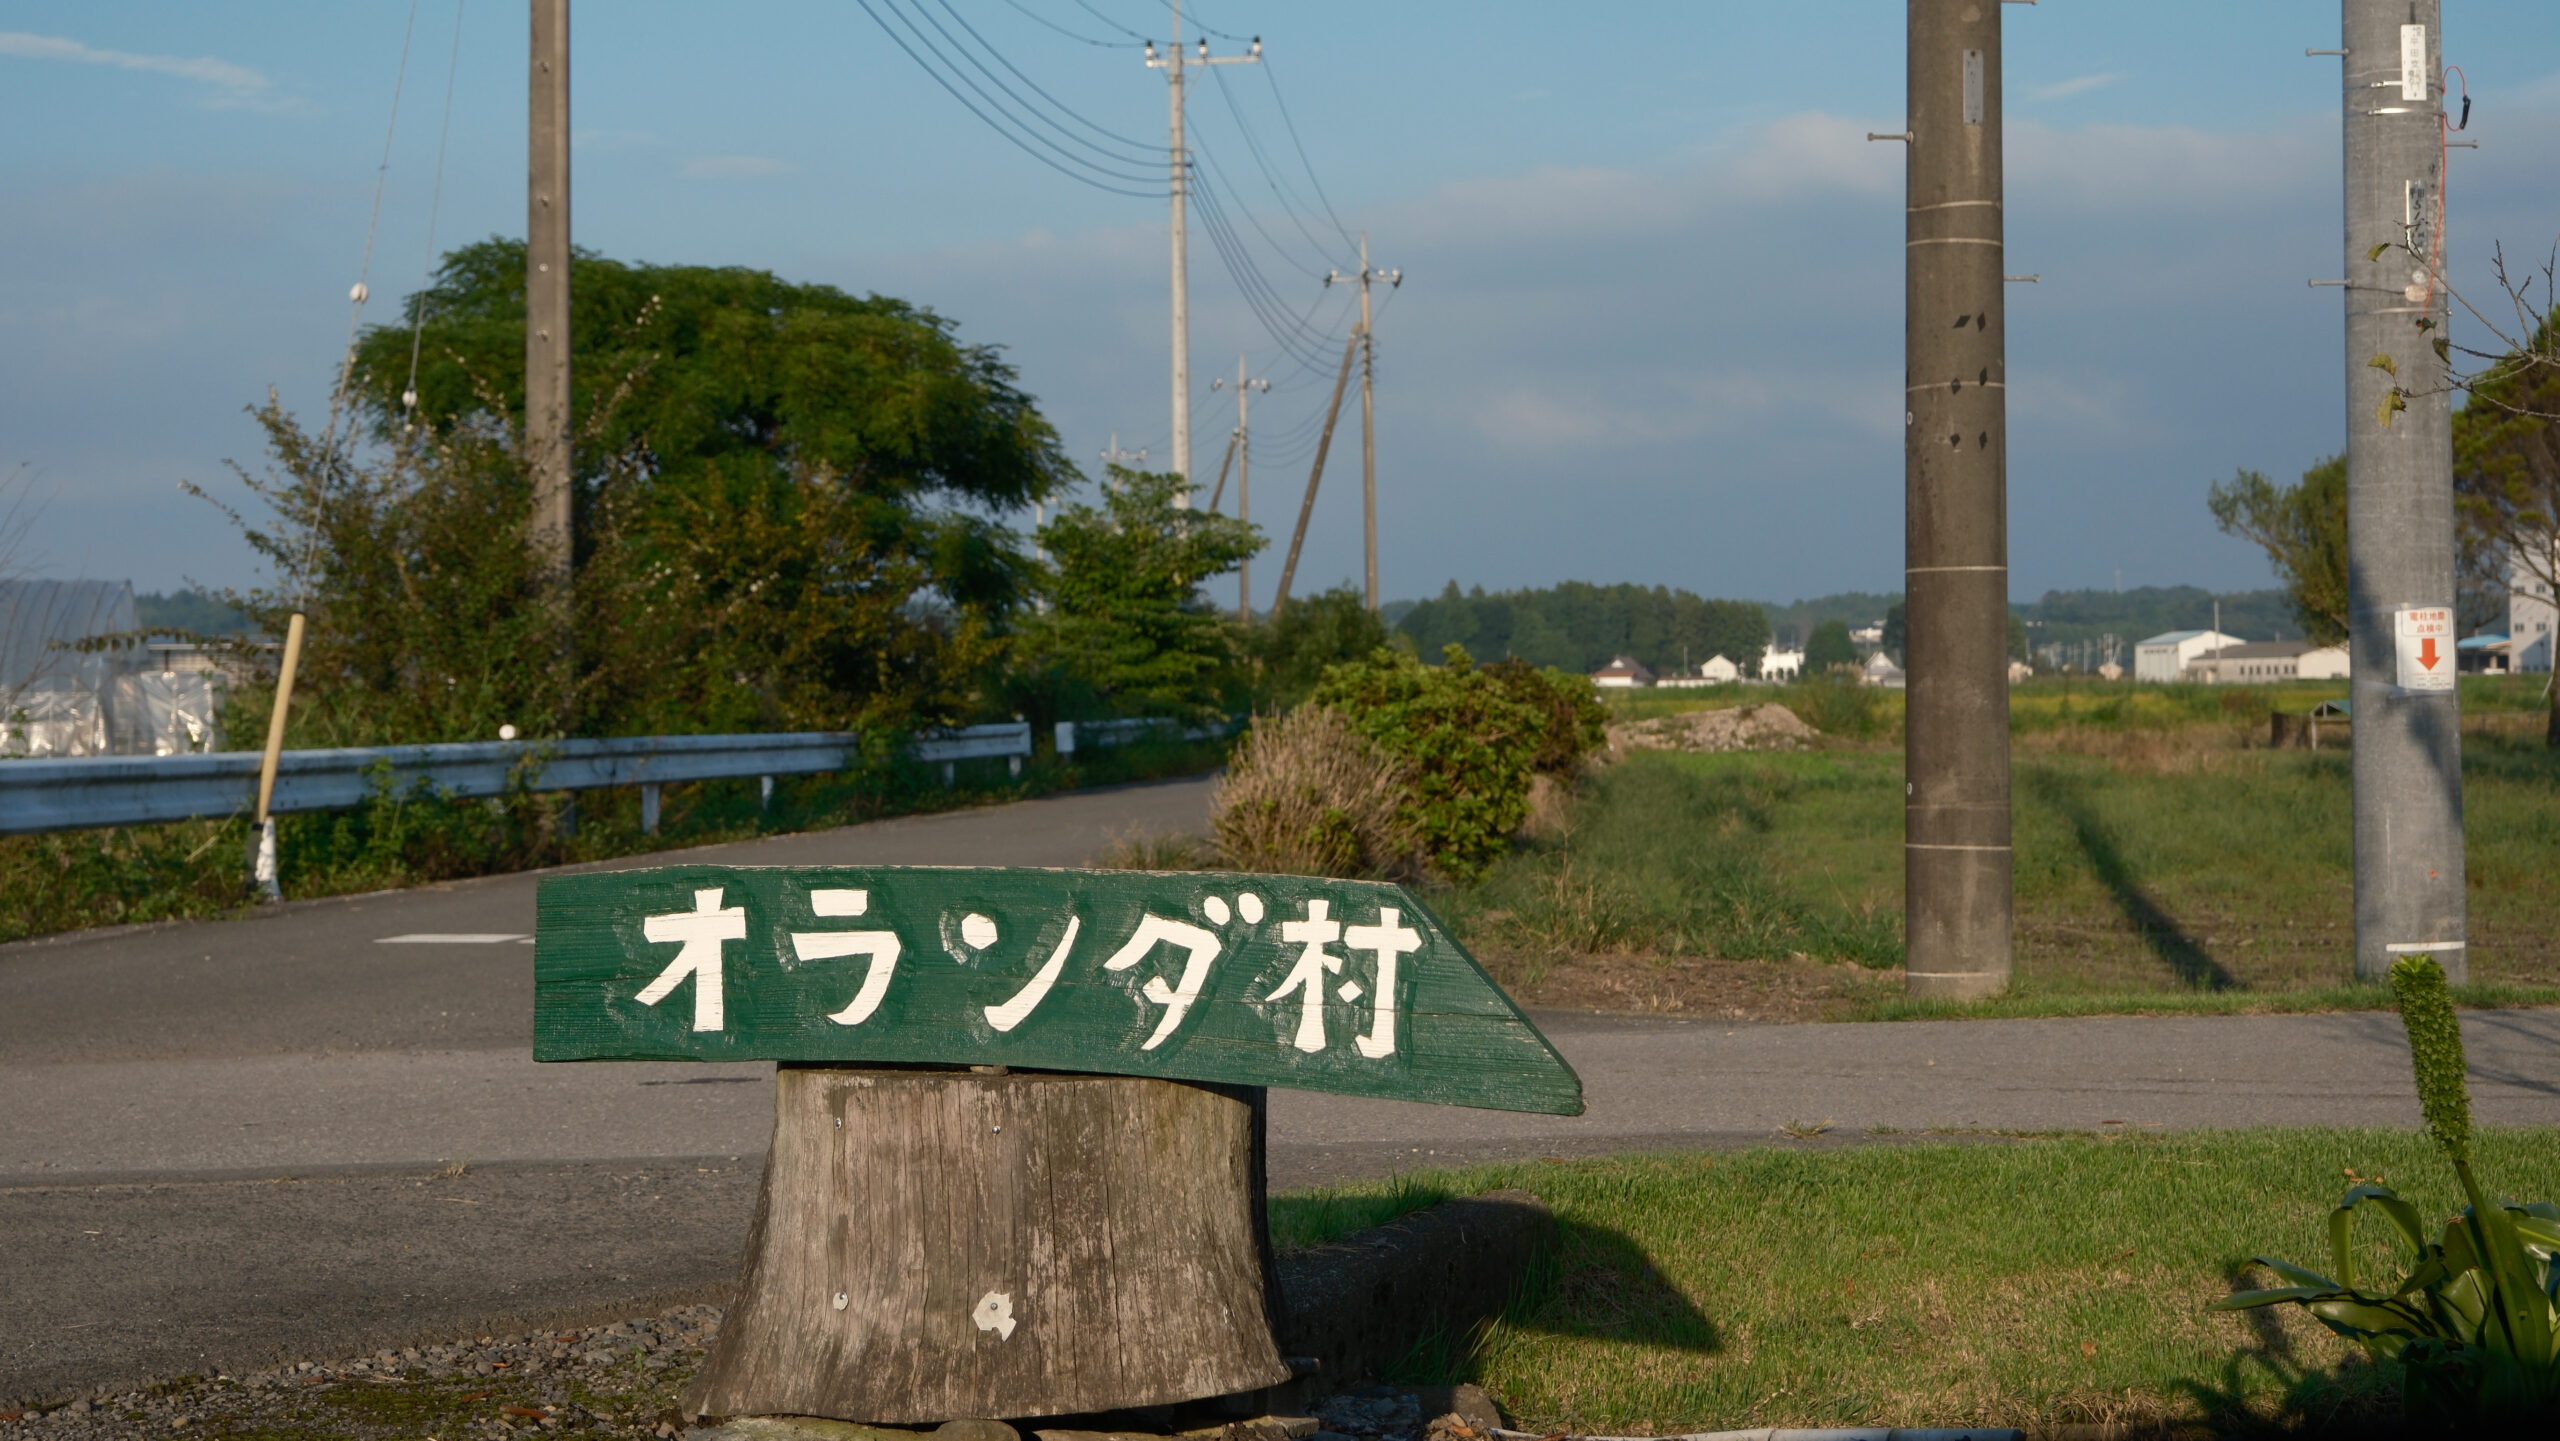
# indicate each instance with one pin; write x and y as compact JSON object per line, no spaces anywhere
{"x":1581,"y":627}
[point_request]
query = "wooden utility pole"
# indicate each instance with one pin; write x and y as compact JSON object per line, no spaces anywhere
{"x":1956,"y":856}
{"x":1172,"y":63}
{"x":1315,"y":477}
{"x":1368,"y":417}
{"x":546,"y":293}
{"x":1241,"y":447}
{"x":2400,"y":531}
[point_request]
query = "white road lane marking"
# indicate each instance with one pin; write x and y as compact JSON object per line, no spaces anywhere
{"x":438,"y":938}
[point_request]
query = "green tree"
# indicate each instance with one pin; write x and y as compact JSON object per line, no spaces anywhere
{"x":2303,"y":529}
{"x":1897,"y":631}
{"x":2507,"y":473}
{"x":1829,"y":648}
{"x":1289,"y":652}
{"x":1126,"y":630}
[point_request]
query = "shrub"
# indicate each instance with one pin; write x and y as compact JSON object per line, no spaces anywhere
{"x":1471,"y":739}
{"x":1289,"y":652}
{"x":1305,"y":795}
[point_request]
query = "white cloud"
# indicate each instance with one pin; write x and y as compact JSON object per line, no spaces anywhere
{"x":235,"y":87}
{"x":732,"y":167}
{"x":2077,"y":85}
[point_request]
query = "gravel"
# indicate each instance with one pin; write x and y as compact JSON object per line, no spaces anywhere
{"x":619,"y":1380}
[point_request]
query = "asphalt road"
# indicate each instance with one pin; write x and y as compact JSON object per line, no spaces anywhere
{"x":232,"y":1144}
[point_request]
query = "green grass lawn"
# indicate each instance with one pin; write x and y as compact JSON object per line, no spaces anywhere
{"x":2021,"y":1283}
{"x":2163,"y":862}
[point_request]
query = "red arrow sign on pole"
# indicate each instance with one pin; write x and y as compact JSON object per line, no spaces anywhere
{"x":2427,"y":652}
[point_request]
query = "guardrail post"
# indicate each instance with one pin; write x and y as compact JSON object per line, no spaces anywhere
{"x":649,"y":808}
{"x":950,"y":774}
{"x":764,"y":793}
{"x":1066,"y":738}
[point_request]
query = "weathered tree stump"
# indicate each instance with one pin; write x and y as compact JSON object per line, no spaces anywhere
{"x":936,"y":1244}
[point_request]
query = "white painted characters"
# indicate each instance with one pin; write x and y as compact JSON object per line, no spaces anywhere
{"x":881,"y":946}
{"x":1321,"y":973}
{"x":1155,"y":930}
{"x":699,"y":932}
{"x":1388,"y":942}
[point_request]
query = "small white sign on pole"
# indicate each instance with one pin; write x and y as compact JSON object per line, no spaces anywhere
{"x":2426,"y":640}
{"x":2413,"y":62}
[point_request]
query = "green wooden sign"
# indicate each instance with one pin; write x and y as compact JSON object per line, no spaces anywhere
{"x":1320,"y":985}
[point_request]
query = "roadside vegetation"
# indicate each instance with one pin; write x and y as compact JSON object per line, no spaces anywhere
{"x":2028,"y":1281}
{"x":2167,"y":859}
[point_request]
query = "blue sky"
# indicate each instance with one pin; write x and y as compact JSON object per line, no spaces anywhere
{"x":1650,"y":329}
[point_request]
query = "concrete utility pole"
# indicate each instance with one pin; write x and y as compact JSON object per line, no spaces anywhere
{"x":1245,"y":387}
{"x":2400,"y":540}
{"x":1172,"y":64}
{"x":1956,"y":860}
{"x":1368,"y":414}
{"x":546,"y":291}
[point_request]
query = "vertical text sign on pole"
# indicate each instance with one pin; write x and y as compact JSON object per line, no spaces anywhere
{"x":2400,"y":536}
{"x":1956,"y":861}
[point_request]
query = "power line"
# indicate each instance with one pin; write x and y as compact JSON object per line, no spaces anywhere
{"x":1290,"y":201}
{"x":1107,"y":20}
{"x":1061,"y":29}
{"x":1144,"y":153}
{"x":1020,"y":142}
{"x":1031,"y":118}
{"x":1273,"y":81}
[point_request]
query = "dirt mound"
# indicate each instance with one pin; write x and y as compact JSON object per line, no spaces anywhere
{"x":1767,"y":726}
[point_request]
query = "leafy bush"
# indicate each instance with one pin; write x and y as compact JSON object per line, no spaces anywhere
{"x":2475,"y":1324}
{"x":1289,"y":652}
{"x":1305,"y":795}
{"x":1473,"y":736}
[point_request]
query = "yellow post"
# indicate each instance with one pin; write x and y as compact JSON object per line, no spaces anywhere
{"x":262,"y":864}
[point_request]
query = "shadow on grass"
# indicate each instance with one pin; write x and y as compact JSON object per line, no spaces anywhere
{"x":1590,"y":1281}
{"x":2184,"y":955}
{"x":2355,"y":1398}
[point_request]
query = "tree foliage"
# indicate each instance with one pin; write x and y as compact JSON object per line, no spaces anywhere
{"x":1289,"y":652}
{"x":1828,"y":648}
{"x":1126,"y":630}
{"x":1580,"y":627}
{"x":678,"y":366}
{"x":781,"y":514}
{"x":2303,"y":529}
{"x":2506,"y":477}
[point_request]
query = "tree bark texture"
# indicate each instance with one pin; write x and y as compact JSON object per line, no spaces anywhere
{"x":938,"y":1245}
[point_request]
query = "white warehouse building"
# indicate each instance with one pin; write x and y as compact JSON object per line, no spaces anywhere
{"x":2165,"y":657}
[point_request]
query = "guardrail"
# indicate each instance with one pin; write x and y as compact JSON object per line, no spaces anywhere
{"x":53,"y":795}
{"x":78,"y":794}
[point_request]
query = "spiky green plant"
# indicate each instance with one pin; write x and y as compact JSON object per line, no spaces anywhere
{"x":2474,"y":1322}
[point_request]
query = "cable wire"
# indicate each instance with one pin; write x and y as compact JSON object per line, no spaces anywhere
{"x":1147,"y":152}
{"x":1272,"y":78}
{"x":435,"y":206}
{"x":1061,"y":29}
{"x":372,"y":226}
{"x":1019,"y":142}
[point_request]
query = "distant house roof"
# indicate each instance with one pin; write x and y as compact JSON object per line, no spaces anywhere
{"x":1625,"y":667}
{"x":34,"y":614}
{"x":2174,"y":637}
{"x":2483,"y":641}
